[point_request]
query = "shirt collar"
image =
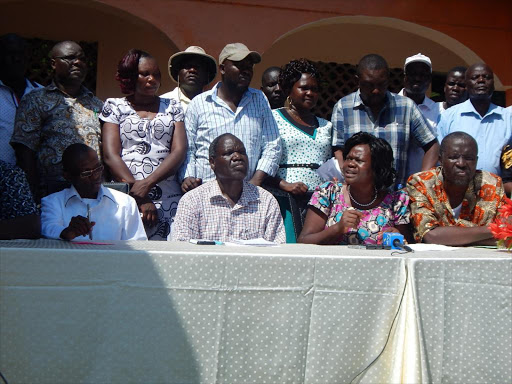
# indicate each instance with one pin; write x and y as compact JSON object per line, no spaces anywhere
{"x":213,"y":96}
{"x":83,"y":91}
{"x":358,"y":102}
{"x":71,"y":192}
{"x":28,"y":85}
{"x":427,"y":101}
{"x":467,"y":107}
{"x":249,"y":194}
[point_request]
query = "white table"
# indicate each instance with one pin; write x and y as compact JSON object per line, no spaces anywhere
{"x":158,"y":312}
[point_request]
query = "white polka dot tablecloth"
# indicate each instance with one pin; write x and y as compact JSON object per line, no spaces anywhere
{"x":161,"y":312}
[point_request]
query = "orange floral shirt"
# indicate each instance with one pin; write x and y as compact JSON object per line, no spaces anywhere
{"x":430,"y":206}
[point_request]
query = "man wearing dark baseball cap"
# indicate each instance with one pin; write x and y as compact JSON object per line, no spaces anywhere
{"x":232,"y":107}
{"x":192,"y":69}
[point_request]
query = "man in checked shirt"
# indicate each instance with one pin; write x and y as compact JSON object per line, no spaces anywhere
{"x":228,"y":208}
{"x":394,"y":118}
{"x":231,"y":106}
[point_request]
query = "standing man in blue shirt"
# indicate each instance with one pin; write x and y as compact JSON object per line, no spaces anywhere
{"x":232,"y":107}
{"x":394,"y":118}
{"x":13,"y":86}
{"x":489,"y":124}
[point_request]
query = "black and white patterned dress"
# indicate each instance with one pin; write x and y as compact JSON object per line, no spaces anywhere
{"x":144,"y":145}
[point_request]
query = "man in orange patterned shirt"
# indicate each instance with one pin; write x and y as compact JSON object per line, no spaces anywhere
{"x":454,"y":203}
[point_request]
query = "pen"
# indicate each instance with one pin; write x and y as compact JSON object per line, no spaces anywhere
{"x":89,"y":218}
{"x":209,"y":242}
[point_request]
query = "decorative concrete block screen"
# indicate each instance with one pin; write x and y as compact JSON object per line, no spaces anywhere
{"x":338,"y":80}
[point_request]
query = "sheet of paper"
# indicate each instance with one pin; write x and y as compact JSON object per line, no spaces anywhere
{"x":259,"y":242}
{"x":421,"y":247}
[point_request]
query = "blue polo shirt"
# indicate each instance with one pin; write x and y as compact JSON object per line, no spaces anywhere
{"x":491,"y":132}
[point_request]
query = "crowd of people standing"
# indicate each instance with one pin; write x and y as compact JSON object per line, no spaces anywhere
{"x":236,"y":163}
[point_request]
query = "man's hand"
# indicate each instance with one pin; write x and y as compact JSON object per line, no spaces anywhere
{"x":190,"y":183}
{"x":298,"y":188}
{"x":78,"y":226}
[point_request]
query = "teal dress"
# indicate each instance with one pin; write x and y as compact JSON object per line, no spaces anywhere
{"x":304,"y":149}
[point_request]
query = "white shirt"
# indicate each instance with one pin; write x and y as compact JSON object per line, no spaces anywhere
{"x":8,"y":106}
{"x":430,"y":111}
{"x":179,"y":96}
{"x":116,"y":215}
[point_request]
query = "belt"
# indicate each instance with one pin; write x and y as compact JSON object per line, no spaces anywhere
{"x":304,"y":165}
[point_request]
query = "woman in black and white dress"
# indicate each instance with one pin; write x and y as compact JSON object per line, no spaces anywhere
{"x":144,"y":142}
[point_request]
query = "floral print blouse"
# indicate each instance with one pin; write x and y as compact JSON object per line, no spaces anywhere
{"x":329,"y":199}
{"x":431,"y":207}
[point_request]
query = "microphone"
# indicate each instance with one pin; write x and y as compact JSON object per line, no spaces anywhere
{"x":395,"y":241}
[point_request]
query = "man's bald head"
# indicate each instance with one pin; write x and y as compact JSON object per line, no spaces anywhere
{"x":455,"y":136}
{"x":58,"y":48}
{"x":68,"y":63}
{"x":480,"y":82}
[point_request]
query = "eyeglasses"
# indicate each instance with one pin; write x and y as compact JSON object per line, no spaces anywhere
{"x":71,"y":58}
{"x":94,"y":171}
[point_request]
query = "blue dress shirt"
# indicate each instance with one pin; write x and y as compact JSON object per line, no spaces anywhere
{"x":492,"y":131}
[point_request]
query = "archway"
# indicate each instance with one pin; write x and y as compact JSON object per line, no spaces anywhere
{"x":346,"y":39}
{"x":116,"y":31}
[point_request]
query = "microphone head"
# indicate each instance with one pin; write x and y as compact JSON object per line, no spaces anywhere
{"x":393,"y":239}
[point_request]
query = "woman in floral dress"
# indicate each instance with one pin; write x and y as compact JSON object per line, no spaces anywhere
{"x":361,"y":209}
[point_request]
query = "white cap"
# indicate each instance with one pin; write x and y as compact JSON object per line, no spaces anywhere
{"x":418,"y":58}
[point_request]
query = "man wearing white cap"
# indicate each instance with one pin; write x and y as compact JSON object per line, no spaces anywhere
{"x":418,"y":75}
{"x":232,"y":107}
{"x":192,"y":69}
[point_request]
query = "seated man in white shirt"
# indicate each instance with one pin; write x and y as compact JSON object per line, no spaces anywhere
{"x":87,"y":210}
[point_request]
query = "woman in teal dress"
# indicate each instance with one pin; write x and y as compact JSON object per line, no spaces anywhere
{"x":306,"y":140}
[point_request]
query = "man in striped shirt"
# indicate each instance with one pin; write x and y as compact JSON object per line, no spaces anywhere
{"x":232,"y":107}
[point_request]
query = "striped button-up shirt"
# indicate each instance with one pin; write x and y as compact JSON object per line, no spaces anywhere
{"x":398,"y":122}
{"x":208,"y":116}
{"x":204,"y":213}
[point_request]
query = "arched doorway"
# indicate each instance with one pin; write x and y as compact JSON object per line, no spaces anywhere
{"x":114,"y":30}
{"x":344,"y":40}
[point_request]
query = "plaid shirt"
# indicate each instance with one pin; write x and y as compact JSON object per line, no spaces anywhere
{"x":208,"y":116}
{"x":204,"y":213}
{"x":398,"y":122}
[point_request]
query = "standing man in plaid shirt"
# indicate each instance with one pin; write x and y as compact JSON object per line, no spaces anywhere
{"x":228,"y":208}
{"x":373,"y":109}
